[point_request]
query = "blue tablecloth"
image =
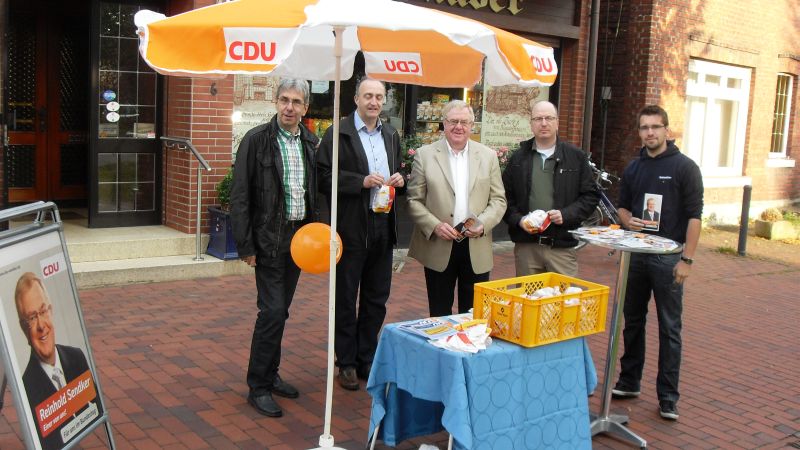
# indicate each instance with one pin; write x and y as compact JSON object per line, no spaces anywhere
{"x":505,"y":397}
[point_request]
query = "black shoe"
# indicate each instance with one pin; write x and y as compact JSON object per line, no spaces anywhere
{"x":348,"y":378}
{"x":622,"y":391}
{"x":284,"y":389}
{"x":363,"y":371}
{"x":265,"y":405}
{"x":668,"y":410}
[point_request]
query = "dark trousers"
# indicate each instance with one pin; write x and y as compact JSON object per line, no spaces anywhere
{"x":369,"y":267}
{"x":441,"y":285}
{"x":653,"y":274}
{"x":276,"y":280}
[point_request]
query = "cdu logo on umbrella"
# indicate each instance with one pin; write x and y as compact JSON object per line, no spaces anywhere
{"x":393,"y":62}
{"x":542,"y":59}
{"x":258,"y":45}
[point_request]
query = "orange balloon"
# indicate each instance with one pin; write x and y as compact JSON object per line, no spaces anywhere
{"x":311,"y":247}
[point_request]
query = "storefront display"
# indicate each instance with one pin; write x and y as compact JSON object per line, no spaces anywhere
{"x":502,"y":114}
{"x":431,"y":101}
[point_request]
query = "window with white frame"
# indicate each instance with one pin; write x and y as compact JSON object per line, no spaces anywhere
{"x":716,"y":116}
{"x":780,"y":122}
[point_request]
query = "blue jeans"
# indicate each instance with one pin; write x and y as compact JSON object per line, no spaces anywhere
{"x":653,"y":274}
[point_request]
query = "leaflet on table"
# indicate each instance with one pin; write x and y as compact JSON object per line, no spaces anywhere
{"x":437,"y":327}
{"x":632,"y":239}
{"x":472,"y":339}
{"x":430,"y":328}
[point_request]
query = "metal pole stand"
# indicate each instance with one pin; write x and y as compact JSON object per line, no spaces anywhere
{"x":605,"y":422}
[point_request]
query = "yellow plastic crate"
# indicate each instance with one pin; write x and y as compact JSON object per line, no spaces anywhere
{"x":529,"y":323}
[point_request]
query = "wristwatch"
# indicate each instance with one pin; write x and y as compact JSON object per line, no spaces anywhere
{"x":688,"y":261}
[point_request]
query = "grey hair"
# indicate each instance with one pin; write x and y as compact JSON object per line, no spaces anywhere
{"x":457,"y":104}
{"x":298,"y":85}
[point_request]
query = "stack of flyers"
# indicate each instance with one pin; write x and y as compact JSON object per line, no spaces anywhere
{"x":431,"y":328}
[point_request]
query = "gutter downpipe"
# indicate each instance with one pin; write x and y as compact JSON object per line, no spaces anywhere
{"x":588,"y":106}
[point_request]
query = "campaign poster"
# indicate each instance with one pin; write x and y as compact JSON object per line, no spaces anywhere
{"x":45,"y":344}
{"x":507,"y":114}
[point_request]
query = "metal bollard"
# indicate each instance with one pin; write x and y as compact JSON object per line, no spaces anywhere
{"x":744,"y":221}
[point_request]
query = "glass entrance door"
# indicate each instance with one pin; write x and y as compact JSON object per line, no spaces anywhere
{"x":126,"y":152}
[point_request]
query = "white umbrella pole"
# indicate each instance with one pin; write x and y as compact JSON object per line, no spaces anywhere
{"x":326,"y":440}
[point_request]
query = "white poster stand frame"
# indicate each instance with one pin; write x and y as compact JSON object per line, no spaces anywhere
{"x":37,"y":252}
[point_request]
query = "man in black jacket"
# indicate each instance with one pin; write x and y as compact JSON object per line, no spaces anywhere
{"x":272,"y":195}
{"x":369,"y":157}
{"x":547,"y":174}
{"x":660,"y":171}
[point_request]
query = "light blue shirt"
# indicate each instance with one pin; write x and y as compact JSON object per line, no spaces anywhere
{"x":374,"y":150}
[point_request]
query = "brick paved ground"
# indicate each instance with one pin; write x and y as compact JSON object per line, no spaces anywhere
{"x":172,"y":358}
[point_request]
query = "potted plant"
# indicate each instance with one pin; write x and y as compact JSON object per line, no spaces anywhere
{"x":771,"y":225}
{"x":221,"y":243}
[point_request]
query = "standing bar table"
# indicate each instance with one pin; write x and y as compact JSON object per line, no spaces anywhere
{"x":626,"y":242}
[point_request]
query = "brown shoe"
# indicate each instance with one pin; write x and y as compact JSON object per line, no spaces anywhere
{"x":347,"y":378}
{"x":363,"y":371}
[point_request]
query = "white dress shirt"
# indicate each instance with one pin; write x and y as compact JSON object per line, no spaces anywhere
{"x":50,"y":370}
{"x":459,"y":169}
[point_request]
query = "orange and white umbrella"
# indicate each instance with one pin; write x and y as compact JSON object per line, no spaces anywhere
{"x":401,"y":43}
{"x":319,"y":40}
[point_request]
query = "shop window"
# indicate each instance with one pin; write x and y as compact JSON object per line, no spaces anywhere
{"x":782,"y":116}
{"x":716,"y":117}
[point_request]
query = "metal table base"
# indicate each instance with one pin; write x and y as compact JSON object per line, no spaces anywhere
{"x":606,"y":422}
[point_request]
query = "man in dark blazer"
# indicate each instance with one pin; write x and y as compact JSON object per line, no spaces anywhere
{"x":51,"y":367}
{"x":369,"y":157}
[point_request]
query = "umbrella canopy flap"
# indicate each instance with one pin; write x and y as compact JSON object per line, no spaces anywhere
{"x":401,"y":43}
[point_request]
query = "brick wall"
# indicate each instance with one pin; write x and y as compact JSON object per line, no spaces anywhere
{"x":645,"y":60}
{"x":572,"y":78}
{"x":195,"y":113}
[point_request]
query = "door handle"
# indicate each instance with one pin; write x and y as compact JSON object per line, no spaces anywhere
{"x":42,"y":119}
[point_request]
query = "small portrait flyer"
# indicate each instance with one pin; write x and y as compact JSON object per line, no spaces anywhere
{"x":651,"y":211}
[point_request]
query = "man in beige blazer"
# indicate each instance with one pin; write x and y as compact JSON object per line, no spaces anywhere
{"x":452,"y":180}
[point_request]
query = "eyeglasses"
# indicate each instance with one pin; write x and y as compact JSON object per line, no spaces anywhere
{"x":645,"y":128}
{"x":456,"y":122}
{"x":31,"y":320}
{"x":285,"y":101}
{"x":548,"y":119}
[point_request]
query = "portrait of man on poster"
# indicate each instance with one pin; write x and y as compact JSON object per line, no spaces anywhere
{"x":651,"y":213}
{"x":51,"y":367}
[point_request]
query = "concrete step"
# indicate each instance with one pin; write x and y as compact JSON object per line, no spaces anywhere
{"x":125,"y":255}
{"x":92,"y":274}
{"x":108,"y":244}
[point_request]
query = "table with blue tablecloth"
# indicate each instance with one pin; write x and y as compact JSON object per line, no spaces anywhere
{"x":506,"y":396}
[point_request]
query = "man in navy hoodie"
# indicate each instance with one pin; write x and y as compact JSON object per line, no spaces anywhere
{"x":661,"y":170}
